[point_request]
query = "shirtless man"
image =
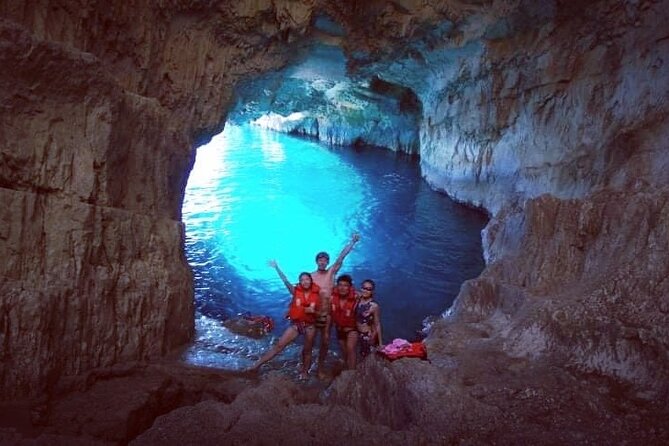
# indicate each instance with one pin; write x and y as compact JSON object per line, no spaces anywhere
{"x":324,"y":277}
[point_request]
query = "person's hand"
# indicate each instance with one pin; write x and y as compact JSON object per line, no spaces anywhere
{"x":355,"y":237}
{"x":272,"y":263}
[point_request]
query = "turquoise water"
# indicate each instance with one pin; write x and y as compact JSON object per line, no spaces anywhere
{"x":255,"y":195}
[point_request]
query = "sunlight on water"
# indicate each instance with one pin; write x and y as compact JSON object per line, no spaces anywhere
{"x":276,"y":207}
{"x":256,"y":195}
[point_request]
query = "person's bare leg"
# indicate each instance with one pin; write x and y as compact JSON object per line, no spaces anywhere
{"x":286,"y":338}
{"x":351,"y":344}
{"x":309,"y":336}
{"x":344,"y":352}
{"x":323,"y":350}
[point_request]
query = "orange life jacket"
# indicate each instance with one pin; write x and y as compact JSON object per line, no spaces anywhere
{"x":302,"y":299}
{"x":343,"y":309}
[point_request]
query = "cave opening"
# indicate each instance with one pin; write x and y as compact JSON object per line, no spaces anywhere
{"x":312,"y":153}
{"x":256,"y":194}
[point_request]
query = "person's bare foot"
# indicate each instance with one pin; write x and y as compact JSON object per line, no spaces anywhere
{"x":303,"y":376}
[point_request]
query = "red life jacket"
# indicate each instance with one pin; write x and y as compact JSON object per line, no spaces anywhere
{"x":343,"y":309}
{"x":301,"y":300}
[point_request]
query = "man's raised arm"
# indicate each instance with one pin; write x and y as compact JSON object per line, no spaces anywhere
{"x":344,"y":252}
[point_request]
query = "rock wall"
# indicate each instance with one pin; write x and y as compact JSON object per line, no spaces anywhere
{"x":584,"y":281}
{"x":102,"y":105}
{"x":93,"y":271}
{"x":314,"y":97}
{"x":575,"y":277}
{"x":579,"y":107}
{"x":562,"y":98}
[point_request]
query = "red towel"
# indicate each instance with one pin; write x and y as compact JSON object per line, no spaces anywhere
{"x":414,"y":350}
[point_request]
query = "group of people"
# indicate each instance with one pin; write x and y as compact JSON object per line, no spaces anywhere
{"x":319,"y":302}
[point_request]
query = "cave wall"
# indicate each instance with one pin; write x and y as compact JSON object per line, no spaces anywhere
{"x":102,"y":105}
{"x":529,"y":97}
{"x":575,"y":109}
{"x":572,"y":281}
{"x":312,"y":96}
{"x":578,"y":108}
{"x":553,"y":116}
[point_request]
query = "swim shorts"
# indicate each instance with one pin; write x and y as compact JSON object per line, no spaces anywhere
{"x":321,"y":321}
{"x":342,"y":333}
{"x":300,"y":326}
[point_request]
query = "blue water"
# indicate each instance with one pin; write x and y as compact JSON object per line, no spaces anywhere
{"x":255,"y":195}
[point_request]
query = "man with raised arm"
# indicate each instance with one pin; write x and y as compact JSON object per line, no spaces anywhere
{"x":324,"y":277}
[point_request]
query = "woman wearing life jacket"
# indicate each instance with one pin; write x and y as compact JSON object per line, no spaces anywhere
{"x":368,"y":319}
{"x":302,"y":315}
{"x":344,"y":301}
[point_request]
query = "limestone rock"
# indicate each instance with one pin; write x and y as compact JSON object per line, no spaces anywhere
{"x":578,"y":108}
{"x":101,"y":109}
{"x":587,"y":279}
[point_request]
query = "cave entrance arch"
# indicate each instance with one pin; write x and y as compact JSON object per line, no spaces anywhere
{"x":256,"y":194}
{"x":296,"y":184}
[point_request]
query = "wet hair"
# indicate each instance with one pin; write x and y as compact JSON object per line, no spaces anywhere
{"x":369,"y":281}
{"x":345,"y":278}
{"x":322,"y":254}
{"x":306,"y":274}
